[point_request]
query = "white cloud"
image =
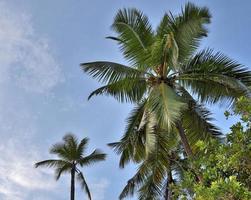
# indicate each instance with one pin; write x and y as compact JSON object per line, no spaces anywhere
{"x":26,"y":66}
{"x":25,"y":58}
{"x":98,"y":188}
{"x":17,"y":174}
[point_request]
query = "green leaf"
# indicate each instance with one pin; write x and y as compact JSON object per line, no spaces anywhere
{"x":134,"y":34}
{"x":207,"y":70}
{"x":95,"y":156}
{"x":125,"y":90}
{"x":165,"y":104}
{"x":84,"y":185}
{"x":131,"y":146}
{"x":110,"y":72}
{"x":189,"y":28}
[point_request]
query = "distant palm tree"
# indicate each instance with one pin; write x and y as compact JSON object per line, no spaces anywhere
{"x":71,"y":155}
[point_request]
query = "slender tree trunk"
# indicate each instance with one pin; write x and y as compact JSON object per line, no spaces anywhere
{"x":184,"y":140}
{"x":73,"y":183}
{"x":168,"y":195}
{"x":187,"y":147}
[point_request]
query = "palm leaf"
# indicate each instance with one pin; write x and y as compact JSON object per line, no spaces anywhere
{"x":131,"y":145}
{"x":164,"y":26}
{"x":165,"y":104}
{"x":51,"y":163}
{"x":84,"y":185}
{"x":135,"y":182}
{"x":62,"y":169}
{"x":82,"y":146}
{"x":134,"y":34}
{"x":125,"y":90}
{"x":94,"y":157}
{"x":110,"y":72}
{"x":152,"y":171}
{"x":207,"y":70}
{"x":189,"y":28}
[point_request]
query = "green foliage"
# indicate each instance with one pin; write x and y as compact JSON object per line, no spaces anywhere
{"x":223,"y":189}
{"x":169,"y":81}
{"x":225,"y":166}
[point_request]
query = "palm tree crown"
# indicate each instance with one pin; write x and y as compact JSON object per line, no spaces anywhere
{"x":167,"y":74}
{"x":71,"y":156}
{"x":168,"y":79}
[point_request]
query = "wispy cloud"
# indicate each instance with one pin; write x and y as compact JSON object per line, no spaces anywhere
{"x":26,"y":66}
{"x":28,"y":69}
{"x":25,"y":57}
{"x":98,"y":189}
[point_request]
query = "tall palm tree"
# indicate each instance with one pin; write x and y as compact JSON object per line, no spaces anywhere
{"x":71,"y":157}
{"x":168,"y":79}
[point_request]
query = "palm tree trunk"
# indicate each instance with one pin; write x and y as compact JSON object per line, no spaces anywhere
{"x":168,"y":195}
{"x":184,"y":140}
{"x":187,"y":147}
{"x":73,"y":183}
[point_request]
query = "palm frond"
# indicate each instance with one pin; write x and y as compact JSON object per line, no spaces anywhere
{"x":51,"y":163}
{"x":135,"y":182}
{"x":207,"y":70}
{"x":165,"y":104}
{"x":164,"y":26}
{"x":197,"y":122}
{"x":150,"y":190}
{"x":164,"y":54}
{"x":150,"y":134}
{"x":71,"y":146}
{"x":65,"y":168}
{"x":95,"y":156}
{"x":125,"y":90}
{"x":189,"y":28}
{"x":134,"y":34}
{"x":82,"y":146}
{"x":60,"y":150}
{"x":131,"y":145}
{"x":153,"y":167}
{"x":84,"y":185}
{"x":110,"y":72}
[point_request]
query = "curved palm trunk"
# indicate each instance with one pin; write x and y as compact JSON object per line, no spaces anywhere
{"x":73,"y":183}
{"x":187,"y":147}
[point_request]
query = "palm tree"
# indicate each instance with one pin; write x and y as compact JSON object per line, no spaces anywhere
{"x":168,"y":79}
{"x":154,"y":178}
{"x":71,"y":157}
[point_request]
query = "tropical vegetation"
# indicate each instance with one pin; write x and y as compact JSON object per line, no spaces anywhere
{"x":170,"y":133}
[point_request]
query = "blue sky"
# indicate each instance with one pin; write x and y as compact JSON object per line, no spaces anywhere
{"x":43,"y":93}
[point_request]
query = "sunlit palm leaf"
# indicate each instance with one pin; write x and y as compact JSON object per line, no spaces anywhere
{"x":165,"y":104}
{"x":215,"y":77}
{"x":134,"y":34}
{"x":110,"y":72}
{"x":125,"y":90}
{"x":189,"y":28}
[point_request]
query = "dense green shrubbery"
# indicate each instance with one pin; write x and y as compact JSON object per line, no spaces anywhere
{"x":225,"y":166}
